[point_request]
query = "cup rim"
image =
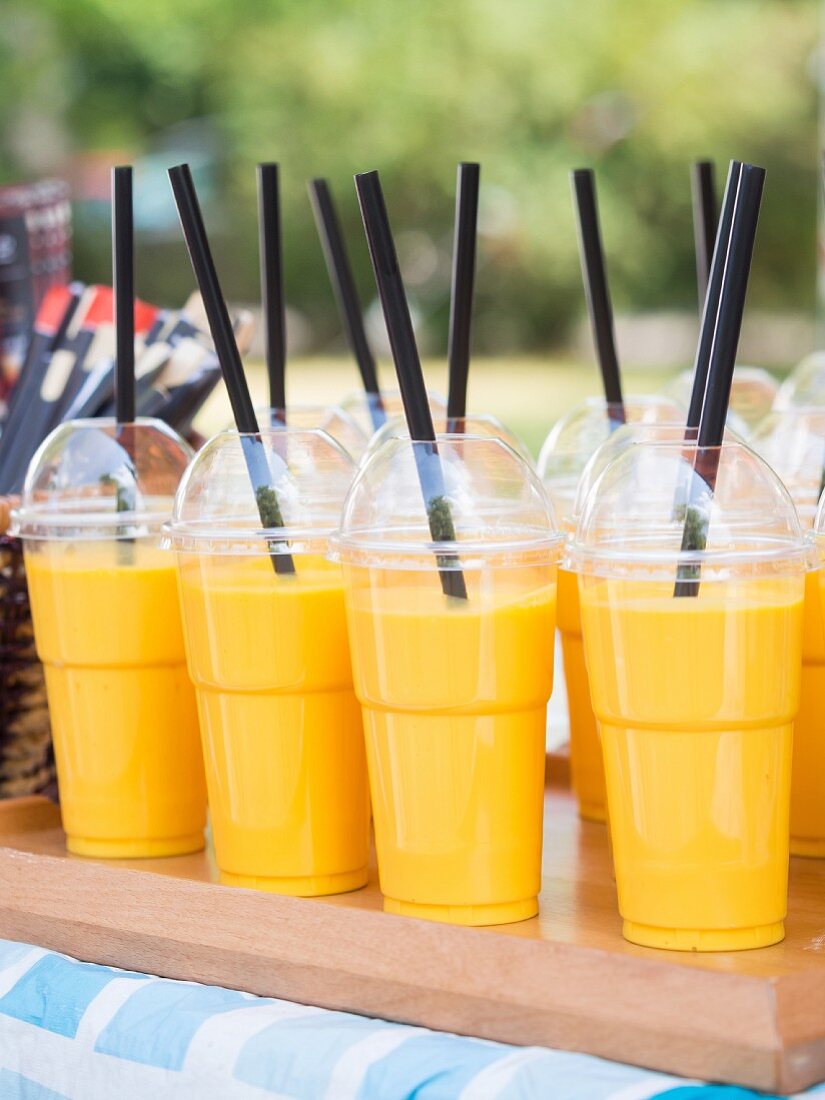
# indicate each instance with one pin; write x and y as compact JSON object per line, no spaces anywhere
{"x":348,"y":546}
{"x":600,"y":560}
{"x":41,"y":524}
{"x":192,"y":537}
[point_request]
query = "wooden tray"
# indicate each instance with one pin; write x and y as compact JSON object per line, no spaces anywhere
{"x":564,"y":979}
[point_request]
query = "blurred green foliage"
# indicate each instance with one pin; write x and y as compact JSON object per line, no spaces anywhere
{"x":638,"y":88}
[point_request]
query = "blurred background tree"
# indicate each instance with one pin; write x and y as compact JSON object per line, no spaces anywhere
{"x":329,"y":87}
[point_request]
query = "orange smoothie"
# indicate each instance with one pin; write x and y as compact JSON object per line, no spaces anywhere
{"x":454,"y":695}
{"x":586,"y":763}
{"x":124,"y":721}
{"x":696,"y":698}
{"x":807,"y":802}
{"x":282,"y":734}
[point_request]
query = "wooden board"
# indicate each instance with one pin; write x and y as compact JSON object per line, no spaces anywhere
{"x":563,"y":979}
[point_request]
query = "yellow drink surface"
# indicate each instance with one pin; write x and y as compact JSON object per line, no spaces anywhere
{"x":124,"y":722}
{"x":696,"y":698}
{"x":454,"y":695}
{"x":808,"y":773}
{"x":586,"y":763}
{"x":282,"y":733}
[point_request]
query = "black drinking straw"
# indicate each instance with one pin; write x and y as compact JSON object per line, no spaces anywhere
{"x":346,"y":293}
{"x":461,"y":296}
{"x":123,"y":283}
{"x":720,"y":374}
{"x":596,"y":289}
{"x":731,"y":306}
{"x":711,"y":304}
{"x":123,"y":277}
{"x":410,"y":377}
{"x":272,"y":286}
{"x":703,"y":193}
{"x":229,"y":358}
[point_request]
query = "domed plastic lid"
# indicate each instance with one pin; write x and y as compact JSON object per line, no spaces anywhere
{"x":792,"y":442}
{"x":331,"y":419}
{"x":818,"y":533}
{"x":577,"y":436}
{"x":216,"y":507}
{"x":498,"y":507}
{"x":634,"y":518}
{"x":481,"y":424}
{"x":617,"y":443}
{"x":805,"y":385}
{"x":752,"y":392}
{"x":358,"y":405}
{"x":93,"y":479}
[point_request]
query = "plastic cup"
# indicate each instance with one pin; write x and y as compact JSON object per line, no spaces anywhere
{"x":268,"y":654}
{"x":454,"y":691}
{"x":695,"y":695}
{"x":481,"y":424}
{"x":564,"y":456}
{"x":792,"y":442}
{"x":805,"y":385}
{"x":108,"y":631}
{"x":586,"y":753}
{"x":625,"y":436}
{"x":752,"y":395}
{"x":331,"y":419}
{"x":359,"y":405}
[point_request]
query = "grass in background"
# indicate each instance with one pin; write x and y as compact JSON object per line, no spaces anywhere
{"x":528,"y":394}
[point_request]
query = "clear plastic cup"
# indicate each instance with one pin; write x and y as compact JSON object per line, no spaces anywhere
{"x":695,"y":694}
{"x":753,"y":392}
{"x":587,"y":765}
{"x":805,"y":385}
{"x":359,"y":405}
{"x":571,"y":444}
{"x":481,"y":424}
{"x":332,"y":419}
{"x":269,"y":657}
{"x":108,"y":631}
{"x":626,"y":436}
{"x":573,"y":440}
{"x":792,"y":442}
{"x":454,"y":691}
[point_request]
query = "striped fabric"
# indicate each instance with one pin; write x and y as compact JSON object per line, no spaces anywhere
{"x":76,"y":1031}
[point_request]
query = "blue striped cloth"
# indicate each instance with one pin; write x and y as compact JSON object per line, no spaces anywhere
{"x":75,"y":1031}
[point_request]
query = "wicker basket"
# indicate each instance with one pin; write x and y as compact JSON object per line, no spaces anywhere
{"x":26,"y":755}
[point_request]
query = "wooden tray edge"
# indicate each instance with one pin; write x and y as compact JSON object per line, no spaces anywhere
{"x":557,"y":995}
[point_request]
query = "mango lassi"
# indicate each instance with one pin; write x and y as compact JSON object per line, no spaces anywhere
{"x":807,"y":802}
{"x":566,"y":457}
{"x":696,"y":698}
{"x":454,"y":695}
{"x":586,"y":763}
{"x":282,"y":734}
{"x":124,"y":721}
{"x":790,"y":440}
